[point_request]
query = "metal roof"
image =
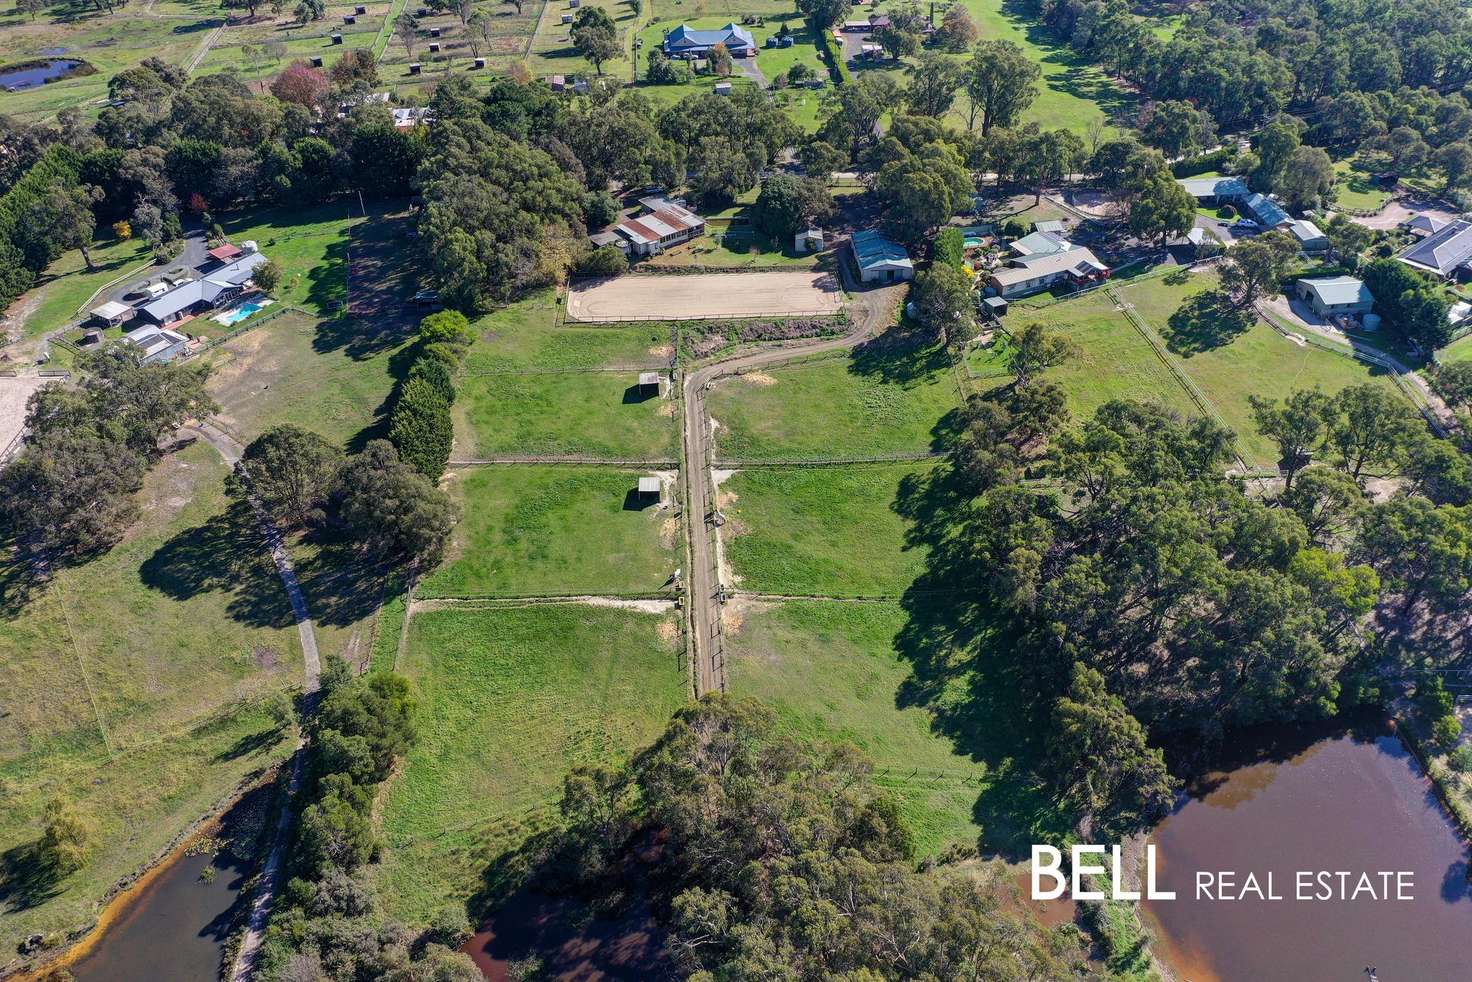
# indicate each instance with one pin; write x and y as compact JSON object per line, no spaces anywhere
{"x":1265,"y":211}
{"x":1214,"y":187}
{"x":685,"y":37}
{"x":1442,"y":251}
{"x":1306,"y":231}
{"x":1337,"y":291}
{"x":649,"y":485}
{"x":207,"y":289}
{"x":153,"y":339}
{"x":1041,"y":244}
{"x":1076,"y":259}
{"x":873,"y":249}
{"x":112,"y":309}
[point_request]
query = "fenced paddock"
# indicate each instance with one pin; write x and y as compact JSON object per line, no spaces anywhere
{"x":15,"y":392}
{"x":705,"y":296}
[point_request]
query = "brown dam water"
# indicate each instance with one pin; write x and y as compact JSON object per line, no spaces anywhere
{"x":1333,"y":800}
{"x":174,"y":927}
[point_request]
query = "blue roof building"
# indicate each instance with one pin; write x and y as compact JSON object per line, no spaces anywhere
{"x":880,"y":259}
{"x":1265,"y":211}
{"x":687,"y":42}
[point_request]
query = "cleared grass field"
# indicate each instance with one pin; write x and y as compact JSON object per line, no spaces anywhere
{"x":252,"y":55}
{"x":510,"y":700}
{"x":889,"y":396}
{"x":602,"y":414}
{"x":1111,"y":361}
{"x":552,"y":51}
{"x":831,"y":671}
{"x":833,"y":531}
{"x":67,"y":283}
{"x":555,"y":529}
{"x":298,"y":370}
{"x":1458,"y":350}
{"x":1259,"y":361}
{"x":131,"y":683}
{"x":524,"y":336}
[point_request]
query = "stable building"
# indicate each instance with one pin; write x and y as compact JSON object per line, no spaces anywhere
{"x":663,"y":224}
{"x":880,"y":259}
{"x":1336,"y":296}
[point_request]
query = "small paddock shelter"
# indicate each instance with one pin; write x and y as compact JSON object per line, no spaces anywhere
{"x":113,"y":313}
{"x":808,"y":240}
{"x":650,"y":488}
{"x":652,"y":383}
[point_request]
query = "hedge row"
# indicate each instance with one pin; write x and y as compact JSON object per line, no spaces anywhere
{"x":420,"y":426}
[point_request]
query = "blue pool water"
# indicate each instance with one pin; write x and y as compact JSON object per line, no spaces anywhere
{"x":240,"y":313}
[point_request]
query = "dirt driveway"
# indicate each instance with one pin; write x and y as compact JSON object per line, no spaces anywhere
{"x":705,"y":296}
{"x":1401,"y":209}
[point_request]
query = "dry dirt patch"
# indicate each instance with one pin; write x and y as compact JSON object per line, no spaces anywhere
{"x":14,"y":394}
{"x":699,"y":297}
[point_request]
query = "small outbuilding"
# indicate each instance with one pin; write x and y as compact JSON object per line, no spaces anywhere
{"x":1308,"y":236}
{"x":434,"y":47}
{"x":995,"y":307}
{"x":113,"y":313}
{"x":1054,"y":226}
{"x":337,"y":39}
{"x":723,"y":88}
{"x":1336,"y":296}
{"x":652,"y":383}
{"x":650,"y":487}
{"x":808,"y":240}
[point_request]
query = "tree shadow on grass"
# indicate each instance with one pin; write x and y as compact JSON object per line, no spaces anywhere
{"x":27,"y":877}
{"x":226,"y":554}
{"x":899,"y":355}
{"x":967,"y":673}
{"x":340,"y":584}
{"x":1205,"y":322}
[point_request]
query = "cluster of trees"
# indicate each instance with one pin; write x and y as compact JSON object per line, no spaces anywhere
{"x":69,"y":494}
{"x":328,"y":925}
{"x":378,"y":500}
{"x":1409,"y":301}
{"x":45,"y":211}
{"x":780,"y":859}
{"x":788,"y":204}
{"x":419,"y":425}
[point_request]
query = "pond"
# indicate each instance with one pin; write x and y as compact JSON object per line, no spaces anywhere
{"x":30,"y":74}
{"x":173,"y":929}
{"x":1332,"y":799}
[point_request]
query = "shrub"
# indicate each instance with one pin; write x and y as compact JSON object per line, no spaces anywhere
{"x":606,"y":260}
{"x":420,"y":427}
{"x":66,"y":838}
{"x":1013,"y":229}
{"x":446,"y":327}
{"x":1226,"y":211}
{"x":1460,"y":759}
{"x":599,"y":209}
{"x":1447,"y":730}
{"x":950,"y":247}
{"x":268,"y":275}
{"x":1217,"y":160}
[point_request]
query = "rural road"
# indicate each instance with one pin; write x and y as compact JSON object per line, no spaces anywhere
{"x":872,"y":310}
{"x":244,"y":965}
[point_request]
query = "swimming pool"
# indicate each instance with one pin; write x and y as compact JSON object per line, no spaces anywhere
{"x":240,"y":313}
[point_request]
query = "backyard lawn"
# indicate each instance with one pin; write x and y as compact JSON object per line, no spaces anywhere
{"x":599,"y":414}
{"x":555,"y":529}
{"x":310,"y":245}
{"x":133,"y":686}
{"x":1354,"y":188}
{"x":826,"y":531}
{"x":889,"y":396}
{"x":510,"y":700}
{"x":838,"y":671}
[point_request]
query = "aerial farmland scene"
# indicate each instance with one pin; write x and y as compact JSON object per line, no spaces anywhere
{"x":735,"y":490}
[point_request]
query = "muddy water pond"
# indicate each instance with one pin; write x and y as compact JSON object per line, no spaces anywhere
{"x":1333,"y":799}
{"x":174,"y":928}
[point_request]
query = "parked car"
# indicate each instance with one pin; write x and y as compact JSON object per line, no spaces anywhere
{"x":1245,"y":225}
{"x":427,"y":298}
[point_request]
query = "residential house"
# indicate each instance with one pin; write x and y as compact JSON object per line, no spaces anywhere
{"x":1215,"y":190}
{"x":157,"y":343}
{"x":1039,"y":244}
{"x":1336,"y":296}
{"x":689,"y":43}
{"x":1076,"y":266}
{"x":214,"y":289}
{"x":663,"y":224}
{"x":1445,"y":252}
{"x":1265,"y":211}
{"x":880,"y":259}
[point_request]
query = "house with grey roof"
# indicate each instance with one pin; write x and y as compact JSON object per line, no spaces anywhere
{"x":1265,"y":211}
{"x":689,"y":43}
{"x":1443,"y":253}
{"x":1423,"y":225}
{"x":214,"y":289}
{"x":156,"y":343}
{"x":1309,"y":236}
{"x":1039,"y":244}
{"x":1076,"y":266}
{"x":879,"y":258}
{"x":1215,"y":190}
{"x":1336,"y":296}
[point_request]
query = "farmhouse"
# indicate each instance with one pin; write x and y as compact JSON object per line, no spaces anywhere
{"x":1076,"y":266}
{"x":214,"y":289}
{"x":157,"y":343}
{"x":1336,"y":296}
{"x":662,"y":225}
{"x":879,"y":259}
{"x":1443,"y":252}
{"x":1215,"y":190}
{"x":1040,"y":244}
{"x":687,"y":42}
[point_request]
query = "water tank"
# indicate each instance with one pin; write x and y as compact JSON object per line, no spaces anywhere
{"x":1370,"y":322}
{"x":249,"y":245}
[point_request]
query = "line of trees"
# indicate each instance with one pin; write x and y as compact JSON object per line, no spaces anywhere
{"x":420,"y":427}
